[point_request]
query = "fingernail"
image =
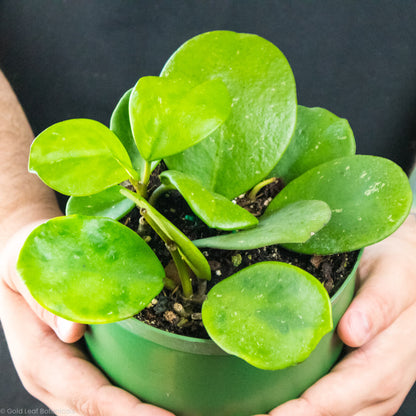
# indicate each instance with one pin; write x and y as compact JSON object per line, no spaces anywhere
{"x":360,"y":327}
{"x":63,"y":328}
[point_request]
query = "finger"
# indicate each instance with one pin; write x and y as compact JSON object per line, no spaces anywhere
{"x":67,"y":331}
{"x":376,"y":376}
{"x":388,"y":407}
{"x":57,"y":373}
{"x":388,"y":287}
{"x":388,"y":291}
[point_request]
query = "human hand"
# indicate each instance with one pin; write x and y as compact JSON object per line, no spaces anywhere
{"x":376,"y":375}
{"x":57,"y":373}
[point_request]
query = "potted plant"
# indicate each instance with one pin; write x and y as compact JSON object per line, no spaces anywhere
{"x":223,"y":116}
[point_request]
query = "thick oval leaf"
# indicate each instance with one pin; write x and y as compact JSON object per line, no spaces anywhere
{"x":120,"y":125}
{"x":319,"y":137}
{"x":248,"y":145}
{"x":89,"y":270}
{"x":190,"y":254}
{"x":369,"y":197}
{"x":213,"y":209}
{"x":80,"y":157}
{"x":108,"y":203}
{"x":294,"y":223}
{"x":169,"y":115}
{"x":412,"y":180}
{"x":270,"y":314}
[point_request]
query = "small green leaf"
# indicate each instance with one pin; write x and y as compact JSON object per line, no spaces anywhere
{"x":89,"y":270}
{"x":190,"y":254}
{"x":270,"y":314}
{"x":213,"y":209}
{"x":80,"y":157}
{"x":108,"y":203}
{"x":295,"y":223}
{"x":120,"y":125}
{"x":369,"y":196}
{"x":243,"y":151}
{"x":319,"y":137}
{"x":170,"y":115}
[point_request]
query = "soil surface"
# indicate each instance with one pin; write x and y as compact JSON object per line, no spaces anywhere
{"x":170,"y":311}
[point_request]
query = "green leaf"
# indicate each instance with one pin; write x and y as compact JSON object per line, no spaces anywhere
{"x":270,"y":314}
{"x":80,"y":157}
{"x":319,"y":137}
{"x":412,"y":180}
{"x":169,"y":115}
{"x":89,"y":270}
{"x":369,"y":196}
{"x":294,"y":223}
{"x":108,"y":203}
{"x":190,"y":254}
{"x":243,"y":151}
{"x":213,"y":209}
{"x":120,"y":125}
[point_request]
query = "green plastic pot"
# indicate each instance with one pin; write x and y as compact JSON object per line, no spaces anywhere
{"x":194,"y":377}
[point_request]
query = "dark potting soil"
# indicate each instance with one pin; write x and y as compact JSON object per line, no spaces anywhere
{"x":172,"y":312}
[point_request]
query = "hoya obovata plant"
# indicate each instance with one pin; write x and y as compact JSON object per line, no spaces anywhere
{"x":223,"y":116}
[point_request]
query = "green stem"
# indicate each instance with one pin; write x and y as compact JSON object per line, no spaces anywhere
{"x":142,"y":190}
{"x":146,"y":173}
{"x":183,"y":270}
{"x":141,"y":185}
{"x":188,"y":253}
{"x":169,"y":283}
{"x":158,"y":192}
{"x":143,"y":228}
{"x":135,"y":184}
{"x":253,"y":193}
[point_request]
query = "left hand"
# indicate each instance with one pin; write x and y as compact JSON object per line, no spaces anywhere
{"x":57,"y":373}
{"x":380,"y":326}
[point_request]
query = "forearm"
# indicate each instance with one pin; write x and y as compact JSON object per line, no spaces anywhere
{"x":24,"y":198}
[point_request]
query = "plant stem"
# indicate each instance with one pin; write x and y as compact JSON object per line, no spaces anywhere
{"x":253,"y":193}
{"x":143,"y":227}
{"x":183,"y":270}
{"x":146,"y":173}
{"x":169,"y":283}
{"x":135,"y":184}
{"x":184,"y":253}
{"x":141,"y":186}
{"x":158,"y":192}
{"x":142,"y":189}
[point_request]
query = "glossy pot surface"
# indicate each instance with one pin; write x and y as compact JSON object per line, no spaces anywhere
{"x":194,"y":377}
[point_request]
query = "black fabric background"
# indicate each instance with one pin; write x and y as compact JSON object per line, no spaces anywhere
{"x":75,"y":58}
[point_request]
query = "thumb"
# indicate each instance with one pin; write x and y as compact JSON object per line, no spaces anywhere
{"x":387,"y":289}
{"x":387,"y":286}
{"x":66,"y":331}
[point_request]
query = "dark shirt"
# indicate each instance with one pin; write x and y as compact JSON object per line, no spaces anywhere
{"x":75,"y":58}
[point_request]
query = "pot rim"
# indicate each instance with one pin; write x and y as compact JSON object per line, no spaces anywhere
{"x":200,"y":345}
